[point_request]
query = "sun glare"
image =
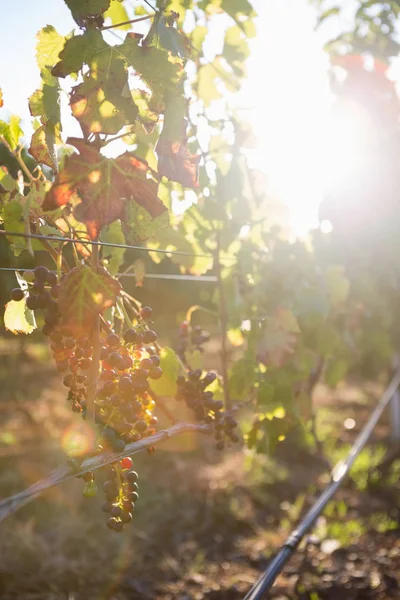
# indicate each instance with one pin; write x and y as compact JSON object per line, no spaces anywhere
{"x":300,"y":137}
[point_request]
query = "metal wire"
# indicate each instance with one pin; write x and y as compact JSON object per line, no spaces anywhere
{"x":171,"y":276}
{"x":339,"y":473}
{"x":52,"y":238}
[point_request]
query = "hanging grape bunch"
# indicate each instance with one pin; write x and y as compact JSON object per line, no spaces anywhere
{"x":190,"y":339}
{"x":124,"y":404}
{"x":193,"y":391}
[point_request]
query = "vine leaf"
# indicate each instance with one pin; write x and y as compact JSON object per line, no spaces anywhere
{"x":169,"y":362}
{"x":174,"y":160}
{"x":177,"y":164}
{"x":49,"y":45}
{"x":158,"y":69}
{"x":18,"y":318}
{"x":44,"y":102}
{"x":84,"y":11}
{"x":117,"y":14}
{"x":80,"y":50}
{"x":162,"y":35}
{"x":86,"y":292}
{"x":102,"y":108}
{"x":140,"y":225}
{"x":113,"y":234}
{"x":42,"y":146}
{"x":11,"y":131}
{"x":279,"y":339}
{"x":99,"y":187}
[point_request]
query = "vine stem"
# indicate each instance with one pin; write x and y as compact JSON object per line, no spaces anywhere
{"x":18,"y":157}
{"x":96,"y":343}
{"x":223,"y":319}
{"x":127,"y":22}
{"x":65,"y":472}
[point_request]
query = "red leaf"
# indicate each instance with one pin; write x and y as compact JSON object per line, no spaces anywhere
{"x":102,"y":185}
{"x":176,"y":163}
{"x":84,"y":293}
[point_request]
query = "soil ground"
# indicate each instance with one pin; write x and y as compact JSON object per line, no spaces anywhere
{"x":206,"y":524}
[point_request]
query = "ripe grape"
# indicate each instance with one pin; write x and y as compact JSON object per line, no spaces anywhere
{"x":17,"y":294}
{"x":41,"y":273}
{"x":127,"y":462}
{"x":146,"y":312}
{"x":149,"y":336}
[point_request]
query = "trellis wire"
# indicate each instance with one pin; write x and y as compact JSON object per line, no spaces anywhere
{"x":65,"y":472}
{"x":62,"y":240}
{"x":168,"y":276}
{"x":338,"y":474}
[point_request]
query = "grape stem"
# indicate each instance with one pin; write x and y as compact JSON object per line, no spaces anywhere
{"x":223,"y":319}
{"x":65,"y":472}
{"x":96,"y":343}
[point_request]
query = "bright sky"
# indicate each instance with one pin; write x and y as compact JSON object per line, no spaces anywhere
{"x":288,"y":91}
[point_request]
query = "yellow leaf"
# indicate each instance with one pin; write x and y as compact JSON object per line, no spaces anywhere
{"x":18,"y":318}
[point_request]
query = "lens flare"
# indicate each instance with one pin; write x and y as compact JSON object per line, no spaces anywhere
{"x":78,"y":439}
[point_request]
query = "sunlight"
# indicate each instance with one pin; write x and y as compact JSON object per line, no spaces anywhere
{"x":301,"y":139}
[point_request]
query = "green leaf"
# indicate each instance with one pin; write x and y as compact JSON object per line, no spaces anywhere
{"x":206,"y":84}
{"x":171,"y":366}
{"x":337,"y":284}
{"x":18,"y":318}
{"x":163,"y":36}
{"x":43,"y":146}
{"x":49,"y":45}
{"x":117,"y":14}
{"x":113,"y":234}
{"x":7,"y":182}
{"x":140,"y":225}
{"x":159,"y":70}
{"x":335,"y":10}
{"x":238,"y":9}
{"x":11,"y":131}
{"x":86,"y":9}
{"x":236,"y":48}
{"x":198,"y":36}
{"x":45,"y":102}
{"x":243,"y":376}
{"x":336,"y":371}
{"x":79,"y":50}
{"x":265,"y":395}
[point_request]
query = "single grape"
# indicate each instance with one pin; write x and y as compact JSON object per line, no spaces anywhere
{"x":51,"y":278}
{"x":146,"y":312}
{"x":149,"y":336}
{"x":17,"y":294}
{"x":113,"y":340}
{"x":127,"y":462}
{"x":116,"y":511}
{"x":155,"y":373}
{"x":41,"y":273}
{"x":126,"y":517}
{"x":130,"y":336}
{"x":132,"y":476}
{"x":146,"y":363}
{"x":155,"y":360}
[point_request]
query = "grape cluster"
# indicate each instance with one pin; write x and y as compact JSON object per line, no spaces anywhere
{"x":191,"y":338}
{"x":121,"y":492}
{"x":123,"y":405}
{"x":206,"y":409}
{"x":42,"y":295}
